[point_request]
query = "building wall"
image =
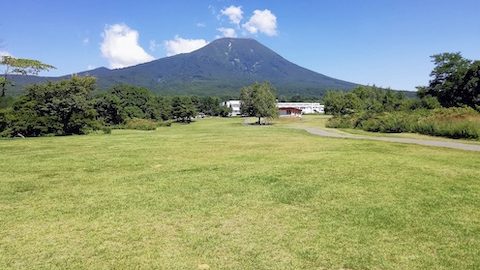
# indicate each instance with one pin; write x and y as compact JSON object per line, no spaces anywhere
{"x":304,"y":106}
{"x":234,"y":105}
{"x":286,"y":112}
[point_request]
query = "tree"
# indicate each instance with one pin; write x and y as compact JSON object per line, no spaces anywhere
{"x":20,"y":66}
{"x":471,"y":86}
{"x":455,"y":81}
{"x":259,"y":100}
{"x":340,"y":103}
{"x":363,"y":99}
{"x":211,"y":106}
{"x":183,"y":109}
{"x":125,"y":102}
{"x":60,"y":108}
{"x":109,"y":109}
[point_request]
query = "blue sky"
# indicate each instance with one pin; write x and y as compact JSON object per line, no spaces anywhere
{"x":382,"y":42}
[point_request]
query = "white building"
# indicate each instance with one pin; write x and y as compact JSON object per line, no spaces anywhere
{"x":306,"y":108}
{"x":234,"y":105}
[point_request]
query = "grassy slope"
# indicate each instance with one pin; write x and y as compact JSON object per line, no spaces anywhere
{"x":232,"y":196}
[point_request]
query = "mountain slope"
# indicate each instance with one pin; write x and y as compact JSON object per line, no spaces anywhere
{"x":220,"y":68}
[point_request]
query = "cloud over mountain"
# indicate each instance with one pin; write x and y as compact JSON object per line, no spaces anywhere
{"x":234,"y":14}
{"x":182,"y":45}
{"x":263,"y":21}
{"x":227,"y":32}
{"x":121,"y":48}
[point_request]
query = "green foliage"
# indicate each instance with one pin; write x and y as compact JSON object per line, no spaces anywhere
{"x":109,"y":109}
{"x":20,"y":66}
{"x":445,"y":122}
{"x":363,"y":98}
{"x":6,"y":101}
{"x":140,"y":124}
{"x":455,"y":81}
{"x":341,"y":121}
{"x":125,"y":102}
{"x":210,"y":106}
{"x":167,"y":123}
{"x":59,"y":108}
{"x":183,"y":109}
{"x":426,"y":102}
{"x":4,"y":121}
{"x":258,"y":100}
{"x":106,"y":130}
{"x":24,"y":66}
{"x":387,"y":122}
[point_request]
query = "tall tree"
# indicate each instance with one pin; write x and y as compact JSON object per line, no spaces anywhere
{"x":183,"y":109}
{"x":455,"y":81}
{"x":20,"y":66}
{"x":59,"y":108}
{"x":258,"y":100}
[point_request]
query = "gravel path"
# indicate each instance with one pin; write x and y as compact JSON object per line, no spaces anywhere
{"x":454,"y":145}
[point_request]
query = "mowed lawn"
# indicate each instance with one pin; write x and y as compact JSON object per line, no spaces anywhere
{"x":220,"y":195}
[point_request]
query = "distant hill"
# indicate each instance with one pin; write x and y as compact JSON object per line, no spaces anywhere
{"x":220,"y":68}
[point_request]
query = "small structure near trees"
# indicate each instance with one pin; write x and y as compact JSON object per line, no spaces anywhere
{"x":289,"y":112}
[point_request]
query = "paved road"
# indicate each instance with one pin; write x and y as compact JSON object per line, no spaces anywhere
{"x":454,"y":145}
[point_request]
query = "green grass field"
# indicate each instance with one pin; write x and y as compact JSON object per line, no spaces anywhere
{"x":231,"y":196}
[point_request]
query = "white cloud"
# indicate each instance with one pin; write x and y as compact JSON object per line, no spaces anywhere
{"x":120,"y":46}
{"x":234,"y":14}
{"x":90,"y":67}
{"x":263,"y":21}
{"x":227,"y":32}
{"x":201,"y":24}
{"x":86,"y":41}
{"x":5,"y":53}
{"x":181,"y":45}
{"x":153,"y":45}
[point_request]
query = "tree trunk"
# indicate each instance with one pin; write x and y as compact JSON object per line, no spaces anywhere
{"x":259,"y":120}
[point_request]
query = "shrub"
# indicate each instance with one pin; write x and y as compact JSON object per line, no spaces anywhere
{"x":341,"y":122}
{"x":446,"y":122}
{"x":395,"y":122}
{"x":140,"y":124}
{"x":164,"y":123}
{"x":106,"y":130}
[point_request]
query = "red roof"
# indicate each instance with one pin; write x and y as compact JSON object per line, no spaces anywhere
{"x":290,"y":108}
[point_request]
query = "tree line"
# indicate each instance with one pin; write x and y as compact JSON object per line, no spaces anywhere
{"x":449,"y":106}
{"x":71,"y":107}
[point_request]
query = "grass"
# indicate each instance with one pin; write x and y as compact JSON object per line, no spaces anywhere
{"x":231,"y":196}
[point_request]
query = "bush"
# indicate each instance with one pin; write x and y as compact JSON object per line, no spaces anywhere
{"x":388,"y":123}
{"x":106,"y":130}
{"x":445,"y":122}
{"x":53,"y":108}
{"x":164,"y":123}
{"x":341,"y":122}
{"x":140,"y":124}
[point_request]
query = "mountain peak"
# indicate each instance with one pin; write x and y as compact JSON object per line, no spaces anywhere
{"x":228,"y":42}
{"x":222,"y":67}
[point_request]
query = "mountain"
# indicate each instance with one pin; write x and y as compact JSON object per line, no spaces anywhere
{"x":220,"y":68}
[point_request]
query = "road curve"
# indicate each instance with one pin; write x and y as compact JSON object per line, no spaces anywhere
{"x":454,"y":145}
